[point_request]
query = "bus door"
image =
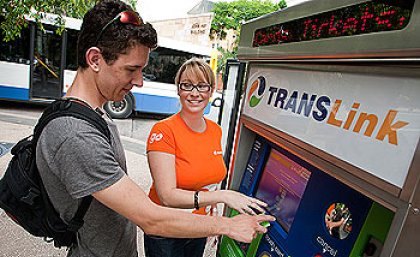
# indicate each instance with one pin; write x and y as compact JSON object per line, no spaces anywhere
{"x":46,"y":64}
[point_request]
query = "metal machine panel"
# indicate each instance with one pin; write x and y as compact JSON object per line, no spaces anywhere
{"x":333,"y":86}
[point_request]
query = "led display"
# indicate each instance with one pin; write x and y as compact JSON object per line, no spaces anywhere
{"x":363,"y":18}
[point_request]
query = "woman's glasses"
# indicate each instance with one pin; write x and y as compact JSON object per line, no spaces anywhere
{"x":126,"y":17}
{"x":202,"y":87}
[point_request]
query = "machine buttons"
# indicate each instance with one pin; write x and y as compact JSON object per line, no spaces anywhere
{"x":370,"y":249}
{"x":373,"y":248}
{"x":265,"y":254}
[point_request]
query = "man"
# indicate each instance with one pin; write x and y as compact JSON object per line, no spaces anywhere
{"x":76,"y":160}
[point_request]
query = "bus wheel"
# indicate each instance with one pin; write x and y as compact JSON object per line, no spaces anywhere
{"x":121,"y":109}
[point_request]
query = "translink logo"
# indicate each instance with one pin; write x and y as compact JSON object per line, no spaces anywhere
{"x":259,"y":84}
{"x":318,"y":107}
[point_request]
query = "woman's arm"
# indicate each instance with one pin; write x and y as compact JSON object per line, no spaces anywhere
{"x":162,"y":168}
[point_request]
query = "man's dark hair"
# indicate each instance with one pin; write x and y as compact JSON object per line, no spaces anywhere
{"x":118,"y":38}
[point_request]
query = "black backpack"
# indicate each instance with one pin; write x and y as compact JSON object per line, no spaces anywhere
{"x":22,"y":193}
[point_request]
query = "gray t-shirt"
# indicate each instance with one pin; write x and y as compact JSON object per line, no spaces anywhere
{"x":76,"y":160}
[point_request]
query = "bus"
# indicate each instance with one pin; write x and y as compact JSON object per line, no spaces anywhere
{"x":40,"y":66}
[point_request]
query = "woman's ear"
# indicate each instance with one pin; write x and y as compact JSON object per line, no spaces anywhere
{"x":93,"y":58}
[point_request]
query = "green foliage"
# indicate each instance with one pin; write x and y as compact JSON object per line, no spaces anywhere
{"x":231,"y":15}
{"x":14,"y":12}
{"x":225,"y":55}
{"x":132,"y":3}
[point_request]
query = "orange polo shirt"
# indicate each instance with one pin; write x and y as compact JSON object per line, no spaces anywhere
{"x":198,"y":156}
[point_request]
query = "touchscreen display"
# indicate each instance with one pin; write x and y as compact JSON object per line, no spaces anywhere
{"x":281,"y":186}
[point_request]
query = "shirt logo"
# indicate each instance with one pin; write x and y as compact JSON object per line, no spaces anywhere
{"x":155,"y":137}
{"x":217,"y":152}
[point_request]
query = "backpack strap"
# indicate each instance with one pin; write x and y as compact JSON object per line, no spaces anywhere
{"x":81,"y":111}
{"x":77,"y":221}
{"x":75,"y":109}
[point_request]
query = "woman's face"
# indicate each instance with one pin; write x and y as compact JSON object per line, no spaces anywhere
{"x":194,"y":101}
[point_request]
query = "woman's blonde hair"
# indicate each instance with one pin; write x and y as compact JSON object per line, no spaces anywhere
{"x":196,"y":66}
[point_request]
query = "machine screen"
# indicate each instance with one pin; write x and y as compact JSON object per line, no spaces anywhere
{"x":281,"y":186}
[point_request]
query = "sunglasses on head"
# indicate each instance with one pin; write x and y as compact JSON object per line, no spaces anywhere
{"x":125,"y":17}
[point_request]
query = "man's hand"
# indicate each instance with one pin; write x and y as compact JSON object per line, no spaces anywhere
{"x":245,"y":228}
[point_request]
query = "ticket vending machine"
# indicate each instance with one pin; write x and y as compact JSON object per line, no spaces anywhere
{"x":329,"y":128}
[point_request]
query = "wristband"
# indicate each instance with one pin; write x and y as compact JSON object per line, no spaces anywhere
{"x":196,"y":200}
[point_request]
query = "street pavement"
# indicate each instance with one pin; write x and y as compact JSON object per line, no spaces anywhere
{"x":16,"y":242}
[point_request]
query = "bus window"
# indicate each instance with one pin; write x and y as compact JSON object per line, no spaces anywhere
{"x":47,"y":64}
{"x":164,"y":63}
{"x":16,"y":50}
{"x":71,"y":49}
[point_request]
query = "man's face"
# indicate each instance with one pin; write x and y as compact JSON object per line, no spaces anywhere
{"x":118,"y":78}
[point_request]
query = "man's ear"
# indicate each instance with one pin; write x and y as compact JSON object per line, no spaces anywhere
{"x":93,"y":58}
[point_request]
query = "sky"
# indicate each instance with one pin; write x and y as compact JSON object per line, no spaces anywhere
{"x":152,"y":10}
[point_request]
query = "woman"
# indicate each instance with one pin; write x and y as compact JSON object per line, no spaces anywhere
{"x":185,"y":159}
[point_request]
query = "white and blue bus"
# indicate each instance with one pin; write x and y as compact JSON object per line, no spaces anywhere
{"x":41,"y":65}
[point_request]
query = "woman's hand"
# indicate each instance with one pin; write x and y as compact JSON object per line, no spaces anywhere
{"x":242,"y":203}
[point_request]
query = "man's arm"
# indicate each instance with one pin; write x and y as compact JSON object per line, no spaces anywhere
{"x":129,"y":200}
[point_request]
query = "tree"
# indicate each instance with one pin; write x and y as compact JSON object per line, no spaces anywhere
{"x":14,"y":11}
{"x":231,"y":15}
